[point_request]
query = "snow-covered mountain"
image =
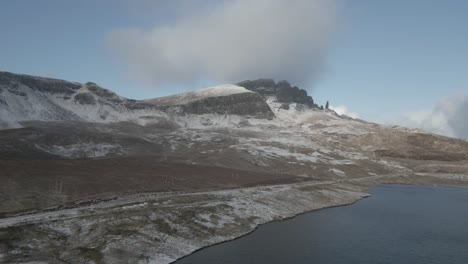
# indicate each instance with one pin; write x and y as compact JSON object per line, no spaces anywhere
{"x":264,"y":119}
{"x":31,"y":98}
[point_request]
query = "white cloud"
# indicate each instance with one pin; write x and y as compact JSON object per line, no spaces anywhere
{"x":232,"y":41}
{"x":343,"y":110}
{"x":449,"y":117}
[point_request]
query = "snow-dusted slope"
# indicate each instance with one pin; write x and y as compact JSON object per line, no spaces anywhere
{"x":25,"y":104}
{"x":19,"y":102}
{"x":185,"y":98}
{"x":299,"y":117}
{"x":30,"y":98}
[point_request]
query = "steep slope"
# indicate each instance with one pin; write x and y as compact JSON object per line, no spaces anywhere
{"x":31,"y":98}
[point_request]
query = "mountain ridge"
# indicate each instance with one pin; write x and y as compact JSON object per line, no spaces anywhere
{"x":28,"y":98}
{"x":282,"y":90}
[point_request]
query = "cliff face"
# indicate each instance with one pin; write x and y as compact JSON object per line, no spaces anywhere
{"x":283,"y":91}
{"x":245,"y":104}
{"x":224,"y":99}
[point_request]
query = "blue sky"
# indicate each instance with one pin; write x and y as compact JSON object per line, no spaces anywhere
{"x":386,"y":59}
{"x":396,"y":56}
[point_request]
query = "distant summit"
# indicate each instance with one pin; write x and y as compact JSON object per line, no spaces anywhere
{"x":283,"y":91}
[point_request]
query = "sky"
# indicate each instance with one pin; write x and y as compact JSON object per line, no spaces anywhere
{"x":393,"y":62}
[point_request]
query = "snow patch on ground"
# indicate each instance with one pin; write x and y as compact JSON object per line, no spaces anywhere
{"x":392,"y":165}
{"x":312,"y":155}
{"x":83,"y":150}
{"x":338,"y":172}
{"x":134,"y":206}
{"x":208,"y":120}
{"x":274,"y":152}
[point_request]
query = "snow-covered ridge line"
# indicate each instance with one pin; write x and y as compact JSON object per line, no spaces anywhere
{"x":185,"y":98}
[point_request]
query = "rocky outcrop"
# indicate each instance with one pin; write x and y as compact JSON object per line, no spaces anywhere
{"x":283,"y":91}
{"x":223,"y":99}
{"x":245,"y":104}
{"x":265,"y":87}
{"x":85,"y":98}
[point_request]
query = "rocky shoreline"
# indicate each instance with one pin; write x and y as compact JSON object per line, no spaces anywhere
{"x":162,"y":229}
{"x":165,"y":228}
{"x":282,"y":219}
{"x":435,"y":180}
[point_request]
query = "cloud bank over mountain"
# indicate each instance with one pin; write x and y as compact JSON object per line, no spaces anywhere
{"x":231,"y":41}
{"x":448,"y":117}
{"x":343,"y":110}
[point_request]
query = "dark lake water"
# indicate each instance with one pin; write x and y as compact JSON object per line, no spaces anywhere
{"x":397,"y":224}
